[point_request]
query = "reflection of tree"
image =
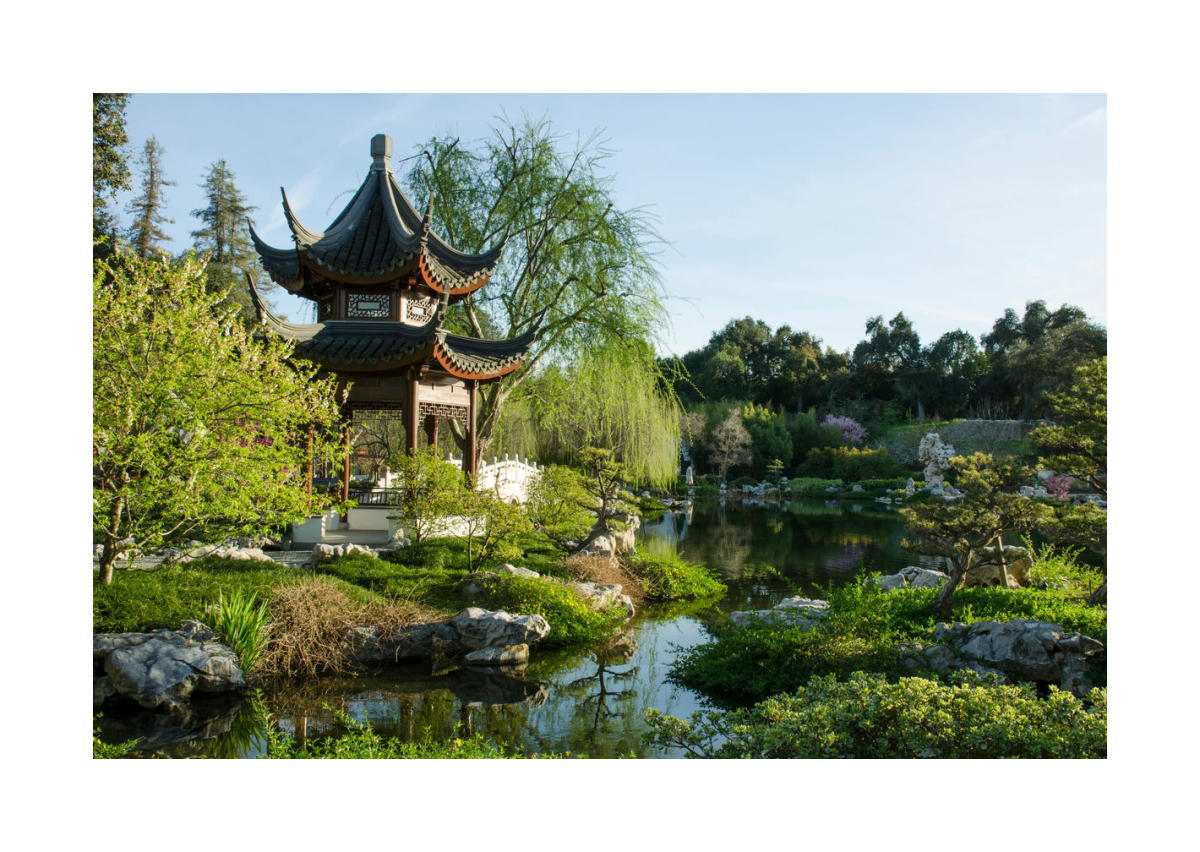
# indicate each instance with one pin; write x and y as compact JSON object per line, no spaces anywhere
{"x":594,"y":707}
{"x":726,"y":546}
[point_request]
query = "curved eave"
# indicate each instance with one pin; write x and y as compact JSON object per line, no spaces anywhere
{"x":448,"y":363}
{"x":283,"y":265}
{"x":472,"y":358}
{"x":302,"y":236}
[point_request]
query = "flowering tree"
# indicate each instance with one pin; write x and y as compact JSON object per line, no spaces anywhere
{"x":852,"y":431}
{"x":196,"y":423}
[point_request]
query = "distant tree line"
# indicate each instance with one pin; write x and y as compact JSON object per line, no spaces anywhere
{"x":783,"y":384}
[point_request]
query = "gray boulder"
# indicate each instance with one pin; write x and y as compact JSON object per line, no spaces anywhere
{"x":516,"y":571}
{"x":1022,"y":649}
{"x":322,"y":552}
{"x":509,"y":655}
{"x":182,"y":555}
{"x":912,"y":577}
{"x":799,"y":611}
{"x":163,"y":669}
{"x":481,"y":628}
{"x":986,"y":570}
{"x":600,"y":595}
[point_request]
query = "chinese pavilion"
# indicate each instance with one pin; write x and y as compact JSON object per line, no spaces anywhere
{"x":382,"y":281}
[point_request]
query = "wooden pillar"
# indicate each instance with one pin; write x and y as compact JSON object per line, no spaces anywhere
{"x":412,"y":413}
{"x":309,"y":468}
{"x":470,"y":456}
{"x":346,"y":463}
{"x":431,"y":429}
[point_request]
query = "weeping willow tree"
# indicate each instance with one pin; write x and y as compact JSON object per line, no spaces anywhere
{"x":572,"y":257}
{"x":611,"y":397}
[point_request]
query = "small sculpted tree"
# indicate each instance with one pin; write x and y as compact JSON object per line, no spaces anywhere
{"x":195,"y":422}
{"x":602,"y":476}
{"x":1078,"y":446}
{"x":432,"y":490}
{"x":962,"y":529}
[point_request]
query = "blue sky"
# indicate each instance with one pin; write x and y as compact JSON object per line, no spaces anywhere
{"x":818,"y":211}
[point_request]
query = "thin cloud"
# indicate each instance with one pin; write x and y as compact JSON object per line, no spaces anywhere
{"x":1095,"y":118}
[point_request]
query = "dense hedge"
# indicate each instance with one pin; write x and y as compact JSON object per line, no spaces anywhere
{"x":851,"y":464}
{"x":866,"y":715}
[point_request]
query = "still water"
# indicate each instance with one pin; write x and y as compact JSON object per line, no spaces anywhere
{"x":581,"y":701}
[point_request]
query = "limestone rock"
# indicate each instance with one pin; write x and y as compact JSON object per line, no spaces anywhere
{"x":1022,"y":649}
{"x":163,"y":669}
{"x":986,"y":570}
{"x":516,"y":571}
{"x":481,"y":628}
{"x":182,"y":555}
{"x":322,"y":552}
{"x":912,"y":577}
{"x":599,"y":595}
{"x":799,"y":611}
{"x":510,"y":655}
{"x":936,"y":455}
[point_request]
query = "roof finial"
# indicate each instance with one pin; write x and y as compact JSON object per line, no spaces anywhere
{"x":381,"y":152}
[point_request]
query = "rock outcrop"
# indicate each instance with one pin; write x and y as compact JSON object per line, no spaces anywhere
{"x":323,"y":552}
{"x":1022,"y":649}
{"x":986,"y":570}
{"x":164,"y":669}
{"x":473,"y":629}
{"x":600,"y":595}
{"x":803,"y":612}
{"x":912,"y":577}
{"x":935,"y":454}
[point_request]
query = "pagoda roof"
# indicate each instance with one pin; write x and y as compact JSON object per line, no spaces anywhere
{"x":359,"y":346}
{"x":375,"y":238}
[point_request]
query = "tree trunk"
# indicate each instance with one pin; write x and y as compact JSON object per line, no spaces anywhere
{"x":108,"y":556}
{"x":942,"y":605}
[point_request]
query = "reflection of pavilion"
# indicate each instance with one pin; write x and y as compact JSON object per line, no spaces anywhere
{"x":382,"y":281}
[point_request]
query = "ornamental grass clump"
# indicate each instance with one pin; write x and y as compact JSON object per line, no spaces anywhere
{"x":866,"y":715}
{"x":667,"y":577}
{"x":242,"y":623}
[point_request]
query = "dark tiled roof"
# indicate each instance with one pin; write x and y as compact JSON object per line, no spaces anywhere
{"x":378,"y":232}
{"x":366,"y":345}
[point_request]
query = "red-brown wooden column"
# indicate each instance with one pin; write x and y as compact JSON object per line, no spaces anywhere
{"x":470,"y":460}
{"x":412,"y":418}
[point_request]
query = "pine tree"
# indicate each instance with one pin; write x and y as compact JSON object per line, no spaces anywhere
{"x":226,"y":239}
{"x":110,"y":172}
{"x":145,"y":234}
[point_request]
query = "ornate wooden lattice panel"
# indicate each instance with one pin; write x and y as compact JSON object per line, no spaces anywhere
{"x":369,"y":305}
{"x":395,"y":411}
{"x":446,"y":412}
{"x":419,"y":310}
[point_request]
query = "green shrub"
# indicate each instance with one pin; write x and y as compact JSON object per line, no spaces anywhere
{"x":860,"y":633}
{"x":242,"y":624}
{"x":812,"y":486}
{"x":428,"y":577}
{"x":851,"y":464}
{"x":865,"y":715}
{"x":706,"y":489}
{"x":105,"y":751}
{"x":667,"y":577}
{"x":361,"y":742}
{"x":1060,"y":569}
{"x":751,"y":663}
{"x":572,"y":621}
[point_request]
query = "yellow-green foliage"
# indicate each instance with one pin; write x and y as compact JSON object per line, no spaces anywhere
{"x":667,"y":577}
{"x":868,"y":716}
{"x":572,"y":621}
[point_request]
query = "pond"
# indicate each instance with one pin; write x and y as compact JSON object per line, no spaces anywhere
{"x":576,"y":700}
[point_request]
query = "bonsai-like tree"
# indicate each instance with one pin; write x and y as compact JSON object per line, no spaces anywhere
{"x":196,"y":423}
{"x":988,"y":509}
{"x":602,"y":476}
{"x":1078,"y":446}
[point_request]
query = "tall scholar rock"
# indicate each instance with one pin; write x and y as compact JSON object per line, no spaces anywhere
{"x":936,"y":455}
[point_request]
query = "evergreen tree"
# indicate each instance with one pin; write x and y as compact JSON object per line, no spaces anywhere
{"x":145,"y":234}
{"x":225,"y":237}
{"x":110,"y":171}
